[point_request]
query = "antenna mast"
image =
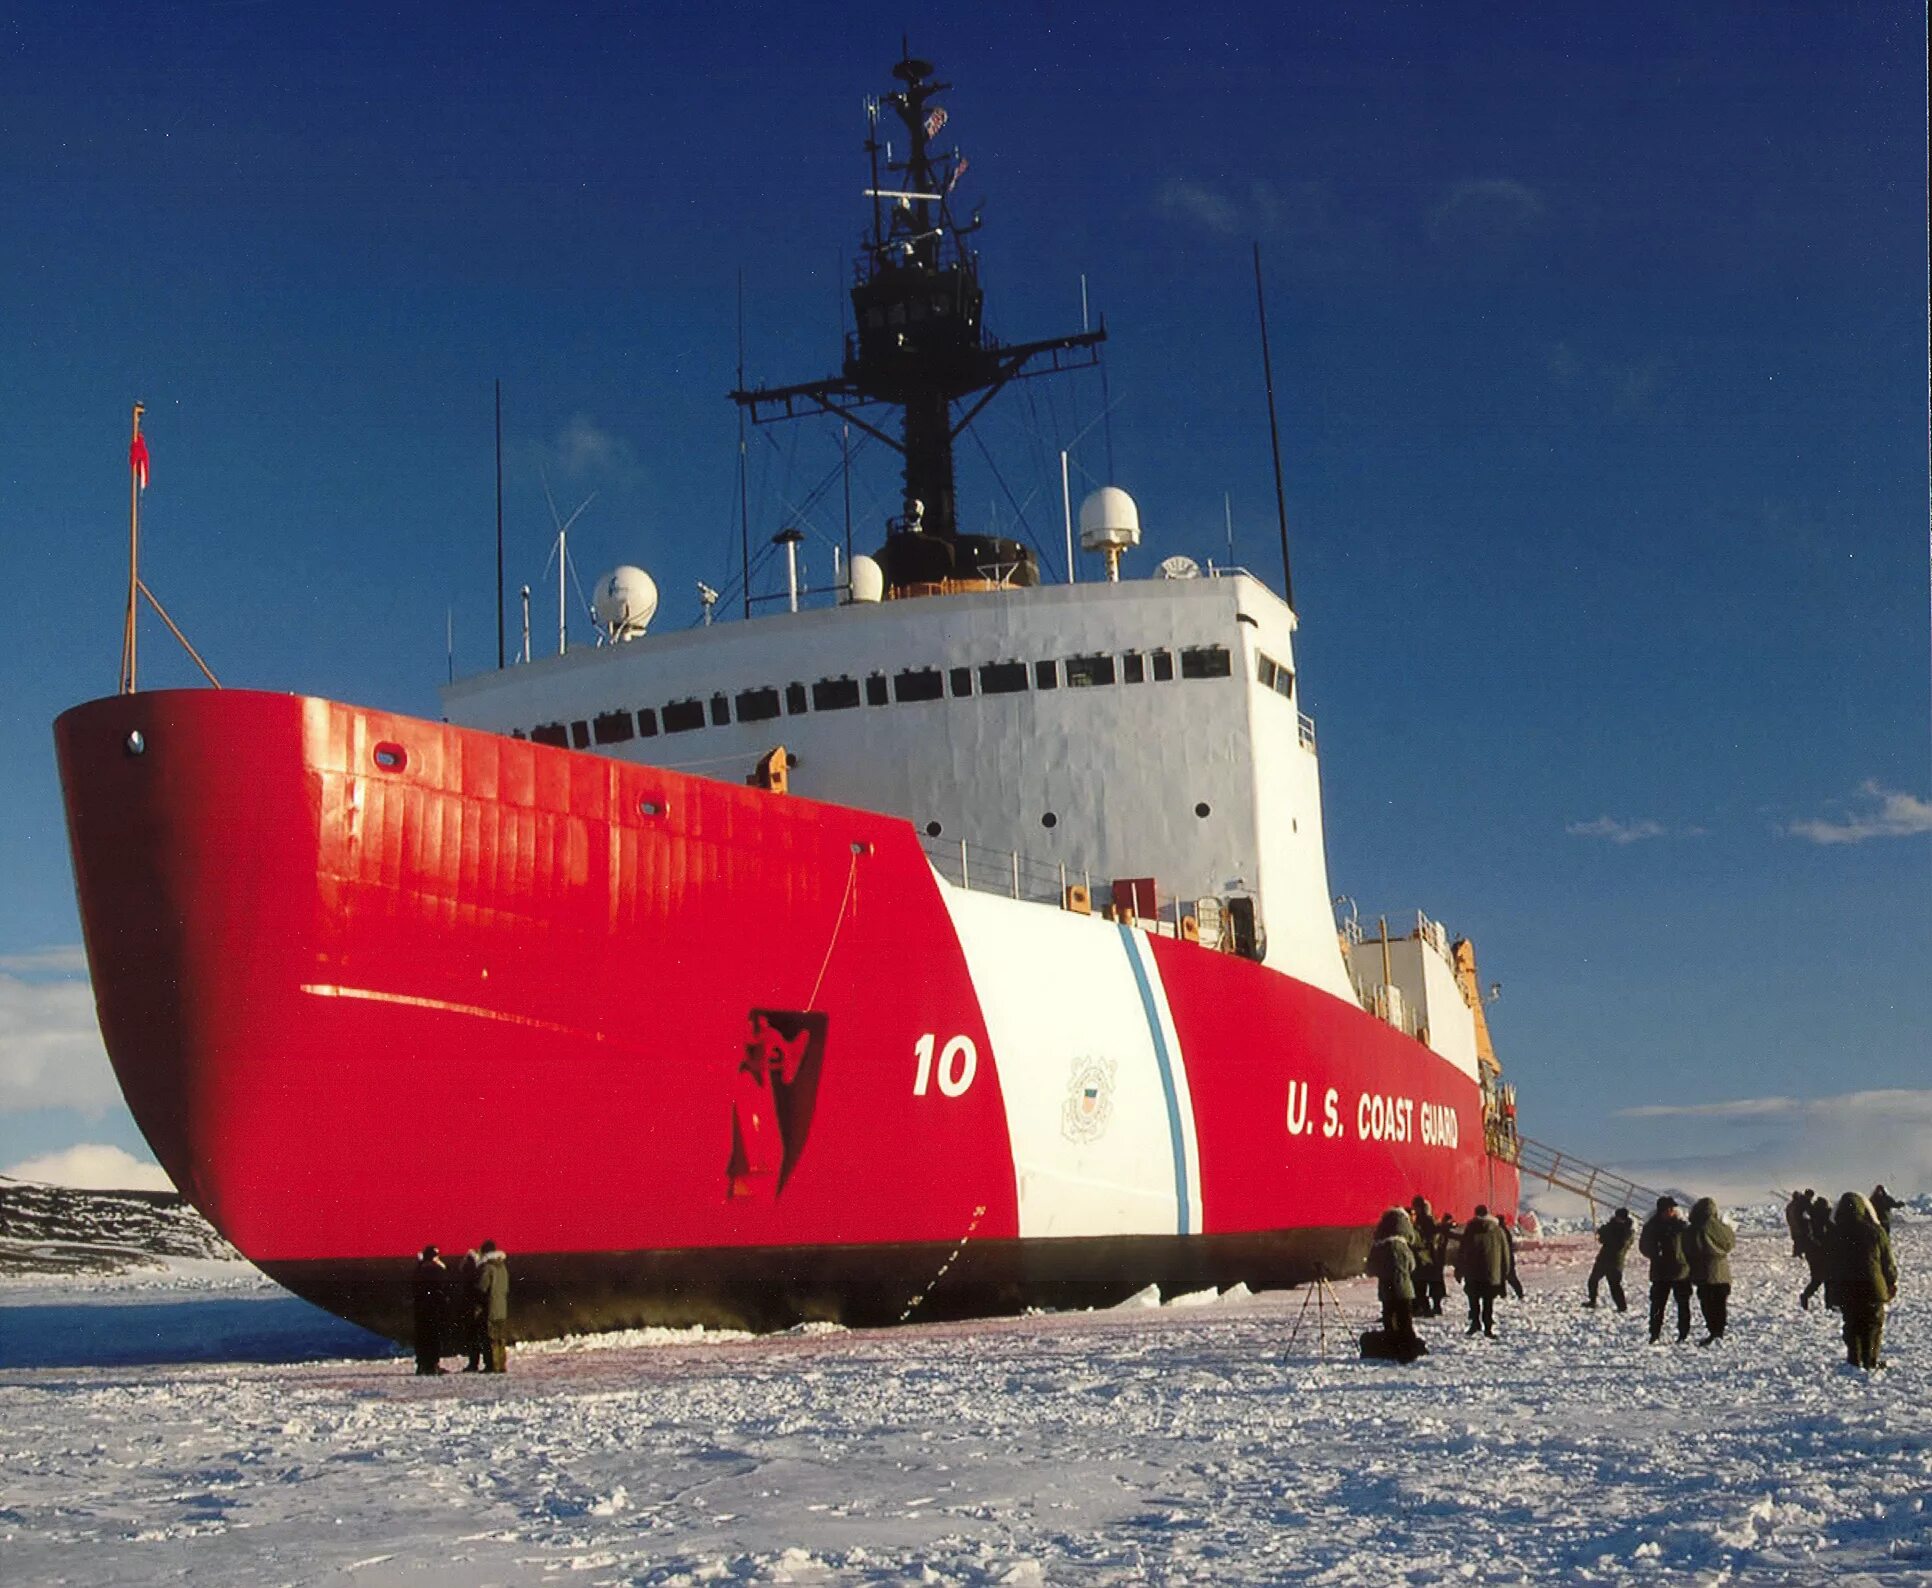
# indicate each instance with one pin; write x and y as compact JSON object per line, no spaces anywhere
{"x":1274,"y":433}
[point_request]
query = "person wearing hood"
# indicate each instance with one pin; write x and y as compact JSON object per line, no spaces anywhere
{"x":493,"y":1292}
{"x":1482,"y":1264}
{"x":1817,"y":1243}
{"x":1448,"y":1237}
{"x":471,"y":1322}
{"x":431,"y":1292}
{"x":1797,"y":1219}
{"x":1614,"y":1240}
{"x":1883,"y":1203}
{"x":1864,"y":1277}
{"x":1707,"y":1250}
{"x":1423,"y":1218}
{"x":1391,"y":1260}
{"x":1662,"y":1241}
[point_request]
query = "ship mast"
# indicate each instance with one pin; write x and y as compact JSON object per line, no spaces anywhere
{"x":920,"y":345}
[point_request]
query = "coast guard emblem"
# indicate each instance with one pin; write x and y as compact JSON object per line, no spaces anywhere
{"x":1090,"y":1100}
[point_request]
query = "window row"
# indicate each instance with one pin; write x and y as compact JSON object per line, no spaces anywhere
{"x":767,"y":702}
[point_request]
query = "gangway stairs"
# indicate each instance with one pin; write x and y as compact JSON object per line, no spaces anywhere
{"x":1569,"y":1173}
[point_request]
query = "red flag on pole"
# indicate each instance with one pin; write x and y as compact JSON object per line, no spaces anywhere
{"x":137,"y":460}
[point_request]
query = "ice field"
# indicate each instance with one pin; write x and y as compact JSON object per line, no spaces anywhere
{"x":202,"y":1422}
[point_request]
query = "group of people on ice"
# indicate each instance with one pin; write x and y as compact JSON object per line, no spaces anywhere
{"x":1414,"y":1251}
{"x":467,"y":1310}
{"x":1848,"y":1250}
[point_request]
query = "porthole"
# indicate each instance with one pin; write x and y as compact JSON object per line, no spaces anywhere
{"x":1049,"y":820}
{"x":391,"y":757}
{"x":933,"y":829}
{"x":1202,"y":809}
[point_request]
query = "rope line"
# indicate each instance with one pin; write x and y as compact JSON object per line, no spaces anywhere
{"x":978,"y":1214}
{"x":851,"y":880}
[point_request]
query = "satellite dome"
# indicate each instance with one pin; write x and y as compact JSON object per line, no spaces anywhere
{"x":1109,"y":519}
{"x":866,"y":579}
{"x":1180,"y":568}
{"x":626,"y":602}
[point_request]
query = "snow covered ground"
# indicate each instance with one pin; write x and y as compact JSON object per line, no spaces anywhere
{"x":208,"y":1424}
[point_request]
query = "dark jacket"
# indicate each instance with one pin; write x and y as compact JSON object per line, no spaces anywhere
{"x":1662,"y":1242}
{"x":1860,"y":1251}
{"x":1797,"y":1219}
{"x":1614,"y":1239}
{"x":1707,"y":1244}
{"x":432,"y":1289}
{"x":1883,"y":1202}
{"x":1482,"y":1256}
{"x":493,"y":1286}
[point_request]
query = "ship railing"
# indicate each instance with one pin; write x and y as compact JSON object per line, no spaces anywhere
{"x":1594,"y":1183}
{"x":1305,"y":726}
{"x":983,"y":869}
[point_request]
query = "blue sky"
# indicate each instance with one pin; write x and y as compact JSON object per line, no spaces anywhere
{"x":1600,"y":336}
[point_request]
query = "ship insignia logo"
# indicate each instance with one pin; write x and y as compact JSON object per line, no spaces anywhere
{"x":1090,"y":1100}
{"x":772,"y":1099}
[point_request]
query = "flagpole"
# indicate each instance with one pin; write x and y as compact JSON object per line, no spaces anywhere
{"x":130,"y":629}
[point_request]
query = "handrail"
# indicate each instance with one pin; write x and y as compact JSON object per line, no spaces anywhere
{"x":1566,"y":1172}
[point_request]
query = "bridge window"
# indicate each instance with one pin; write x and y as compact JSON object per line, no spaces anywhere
{"x":1163,"y":666}
{"x":835,"y":694}
{"x":1206,"y":661}
{"x":1046,"y":675}
{"x":1085,"y":671}
{"x":681,"y":716}
{"x":795,"y":700}
{"x":919,"y":683}
{"x":612,"y":727}
{"x":647,"y":723}
{"x":1133,"y":668}
{"x":962,"y":681}
{"x":757,"y":705}
{"x":720,"y":711}
{"x":1265,"y":670}
{"x":1002,"y":678}
{"x":580,"y":734}
{"x":875,"y":689}
{"x":551,"y":733}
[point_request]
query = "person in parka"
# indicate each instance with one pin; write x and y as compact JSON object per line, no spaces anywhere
{"x":1482,"y":1264}
{"x":1509,"y":1269}
{"x":1662,"y":1241}
{"x":1391,"y":1260}
{"x":1424,"y":1221}
{"x":1883,"y":1202}
{"x":1864,"y":1277}
{"x":1707,"y":1249}
{"x":1615,"y":1237}
{"x":1797,"y":1219}
{"x":1448,"y":1238}
{"x":431,"y":1297}
{"x":1817,"y":1242}
{"x":493,"y":1289}
{"x":472,"y":1323}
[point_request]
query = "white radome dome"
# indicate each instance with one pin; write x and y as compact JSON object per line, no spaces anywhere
{"x":1109,"y":518}
{"x":626,"y":602}
{"x":867,"y":579}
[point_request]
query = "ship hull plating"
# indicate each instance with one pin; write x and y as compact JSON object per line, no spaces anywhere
{"x":691,"y":1052}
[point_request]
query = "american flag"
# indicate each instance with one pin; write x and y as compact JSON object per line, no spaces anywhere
{"x":935,"y":121}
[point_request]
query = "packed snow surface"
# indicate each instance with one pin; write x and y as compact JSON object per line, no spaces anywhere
{"x":220,"y":1428}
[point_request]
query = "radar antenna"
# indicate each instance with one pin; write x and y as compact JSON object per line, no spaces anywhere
{"x":920,"y":345}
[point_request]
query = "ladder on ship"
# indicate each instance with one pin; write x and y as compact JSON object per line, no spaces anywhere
{"x":1569,"y":1173}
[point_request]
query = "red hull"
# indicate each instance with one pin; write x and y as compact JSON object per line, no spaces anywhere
{"x":369,"y":981}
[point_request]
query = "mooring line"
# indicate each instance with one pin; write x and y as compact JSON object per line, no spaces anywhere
{"x":978,"y":1214}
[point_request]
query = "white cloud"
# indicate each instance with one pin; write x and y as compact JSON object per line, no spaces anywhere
{"x":1201,"y":204}
{"x":1485,"y":212}
{"x":65,"y":959}
{"x":94,"y":1166}
{"x":1745,"y":1149}
{"x":51,"y":1054}
{"x":1885,"y":813}
{"x":1618,"y":832}
{"x":585,"y":449}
